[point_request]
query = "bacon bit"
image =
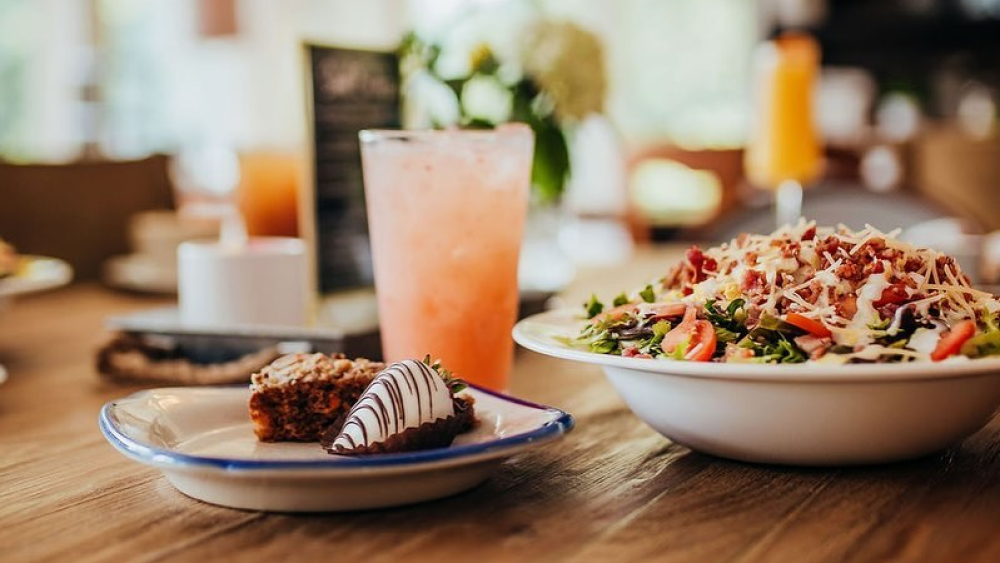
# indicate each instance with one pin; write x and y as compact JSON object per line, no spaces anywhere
{"x":890,"y":254}
{"x":790,"y":249}
{"x":912,"y":264}
{"x":828,"y":247}
{"x":810,"y":233}
{"x":888,"y":310}
{"x":848,"y":306}
{"x":695,"y":257}
{"x":750,"y":259}
{"x":754,"y":281}
{"x":945,"y":263}
{"x":814,"y":346}
{"x":850,"y":271}
{"x":691,"y":271}
{"x":673,"y":278}
{"x":871,"y":247}
{"x":810,"y":293}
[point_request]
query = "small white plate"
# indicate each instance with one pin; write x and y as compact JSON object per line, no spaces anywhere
{"x":798,"y":414}
{"x":203,"y":441}
{"x":141,"y":273}
{"x":36,"y":273}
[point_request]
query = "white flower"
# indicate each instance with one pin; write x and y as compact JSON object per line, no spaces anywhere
{"x":498,"y":27}
{"x":436,"y":100}
{"x":458,"y":50}
{"x":485,"y":98}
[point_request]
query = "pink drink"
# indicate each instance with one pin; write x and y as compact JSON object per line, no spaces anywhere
{"x":446,"y":213}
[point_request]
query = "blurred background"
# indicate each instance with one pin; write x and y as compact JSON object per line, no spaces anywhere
{"x":114,"y":114}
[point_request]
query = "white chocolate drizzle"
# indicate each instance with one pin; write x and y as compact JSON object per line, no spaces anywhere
{"x":404,"y":395}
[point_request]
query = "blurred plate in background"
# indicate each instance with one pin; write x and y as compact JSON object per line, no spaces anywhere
{"x":36,"y":273}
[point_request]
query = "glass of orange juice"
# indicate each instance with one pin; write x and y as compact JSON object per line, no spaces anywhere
{"x":784,"y":152}
{"x":446,"y":212}
{"x":268,"y":193}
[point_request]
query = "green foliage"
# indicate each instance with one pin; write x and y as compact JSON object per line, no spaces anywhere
{"x":550,"y":162}
{"x":604,"y":345}
{"x":986,"y":343}
{"x":647,"y":294}
{"x":454,"y":384}
{"x":733,"y":319}
{"x":593,"y":307}
{"x":724,"y":336}
{"x":729,"y":324}
{"x":772,"y":342}
{"x":652,"y":345}
{"x":780,"y":350}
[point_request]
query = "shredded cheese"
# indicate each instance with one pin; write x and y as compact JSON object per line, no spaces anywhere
{"x":840,"y":278}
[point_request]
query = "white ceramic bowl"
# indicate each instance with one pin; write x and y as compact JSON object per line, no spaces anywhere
{"x":800,"y":414}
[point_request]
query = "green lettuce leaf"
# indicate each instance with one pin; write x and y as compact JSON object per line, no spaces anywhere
{"x":593,"y":307}
{"x":986,"y":343}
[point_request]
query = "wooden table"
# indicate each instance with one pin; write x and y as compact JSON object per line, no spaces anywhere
{"x":613,"y":490}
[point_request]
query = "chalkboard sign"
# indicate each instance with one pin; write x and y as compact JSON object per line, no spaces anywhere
{"x":349,"y":90}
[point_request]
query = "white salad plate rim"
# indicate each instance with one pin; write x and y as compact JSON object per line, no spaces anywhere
{"x":548,"y":333}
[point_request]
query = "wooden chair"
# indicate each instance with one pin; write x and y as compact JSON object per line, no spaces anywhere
{"x":79,"y":212}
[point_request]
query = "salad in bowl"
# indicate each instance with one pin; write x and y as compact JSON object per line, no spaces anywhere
{"x":801,"y":294}
{"x":808,"y":346}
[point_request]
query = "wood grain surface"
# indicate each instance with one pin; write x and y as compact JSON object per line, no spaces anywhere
{"x":613,"y":490}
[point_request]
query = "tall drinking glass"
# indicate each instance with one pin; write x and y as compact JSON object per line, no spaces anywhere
{"x":446,"y":212}
{"x":784,"y":152}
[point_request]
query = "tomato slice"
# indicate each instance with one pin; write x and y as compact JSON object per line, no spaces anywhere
{"x":812,"y":326}
{"x":699,"y":335}
{"x":952,"y":341}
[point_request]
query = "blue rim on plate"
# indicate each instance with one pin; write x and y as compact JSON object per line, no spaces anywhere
{"x":561,"y":424}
